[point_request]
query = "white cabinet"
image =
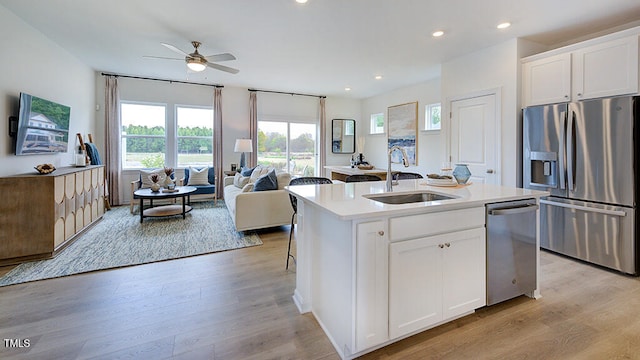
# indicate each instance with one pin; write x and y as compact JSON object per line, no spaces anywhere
{"x":547,"y":80}
{"x":435,"y":278}
{"x":606,"y":69}
{"x":372,"y":254}
{"x":603,"y":69}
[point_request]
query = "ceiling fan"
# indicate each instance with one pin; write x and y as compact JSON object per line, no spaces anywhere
{"x":197,"y":62}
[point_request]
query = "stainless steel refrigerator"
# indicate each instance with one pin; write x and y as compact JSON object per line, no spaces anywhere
{"x":585,"y":154}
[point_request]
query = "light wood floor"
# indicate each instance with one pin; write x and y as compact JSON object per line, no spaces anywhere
{"x":237,"y":305}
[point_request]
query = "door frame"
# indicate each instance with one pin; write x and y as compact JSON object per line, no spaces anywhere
{"x":497,"y":92}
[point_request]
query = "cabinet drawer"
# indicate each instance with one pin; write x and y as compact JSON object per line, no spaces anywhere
{"x":412,"y":226}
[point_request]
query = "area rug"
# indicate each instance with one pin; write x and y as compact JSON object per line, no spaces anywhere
{"x":121,"y":240}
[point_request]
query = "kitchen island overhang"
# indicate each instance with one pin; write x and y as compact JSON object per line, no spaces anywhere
{"x":356,"y":258}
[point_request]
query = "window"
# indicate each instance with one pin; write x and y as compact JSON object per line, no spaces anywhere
{"x":288,"y":146}
{"x":153,"y":138}
{"x":144,"y":141}
{"x":432,"y":117}
{"x":195,"y":136}
{"x":377,"y":123}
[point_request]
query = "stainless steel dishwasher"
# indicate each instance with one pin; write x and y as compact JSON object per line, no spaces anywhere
{"x":511,"y":249}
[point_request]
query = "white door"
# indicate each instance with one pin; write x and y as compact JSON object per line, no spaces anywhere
{"x":474,"y":122}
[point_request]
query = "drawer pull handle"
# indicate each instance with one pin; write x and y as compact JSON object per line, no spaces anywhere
{"x":381,"y":233}
{"x":441,"y":246}
{"x":447,"y":244}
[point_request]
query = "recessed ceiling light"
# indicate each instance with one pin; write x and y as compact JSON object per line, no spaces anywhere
{"x":347,"y":89}
{"x":504,"y":25}
{"x":438,"y":33}
{"x":301,"y":1}
{"x":378,"y":77}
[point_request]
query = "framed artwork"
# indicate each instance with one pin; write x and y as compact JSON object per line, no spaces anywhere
{"x":403,"y":130}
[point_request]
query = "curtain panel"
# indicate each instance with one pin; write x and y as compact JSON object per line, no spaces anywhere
{"x":323,"y":137}
{"x":217,"y":141}
{"x":253,"y":128}
{"x":112,"y":139}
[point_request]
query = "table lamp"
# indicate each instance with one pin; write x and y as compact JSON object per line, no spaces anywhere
{"x":243,"y":146}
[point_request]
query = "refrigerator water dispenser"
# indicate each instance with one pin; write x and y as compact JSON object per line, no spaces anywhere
{"x":544,"y":168}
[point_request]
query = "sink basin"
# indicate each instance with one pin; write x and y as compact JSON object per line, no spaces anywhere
{"x":407,"y":198}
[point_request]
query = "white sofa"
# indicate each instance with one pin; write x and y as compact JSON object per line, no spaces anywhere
{"x":252,"y":210}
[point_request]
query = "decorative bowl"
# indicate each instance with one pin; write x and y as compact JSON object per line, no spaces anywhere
{"x":45,"y":168}
{"x":365,"y":167}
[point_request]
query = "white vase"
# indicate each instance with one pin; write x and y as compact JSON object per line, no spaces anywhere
{"x":155,"y":187}
{"x":167,"y":181}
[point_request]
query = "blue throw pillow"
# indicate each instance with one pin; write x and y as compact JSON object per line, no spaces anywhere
{"x":268,"y":181}
{"x":246,"y":171}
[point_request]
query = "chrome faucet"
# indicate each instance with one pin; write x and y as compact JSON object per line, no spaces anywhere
{"x":405,"y":162}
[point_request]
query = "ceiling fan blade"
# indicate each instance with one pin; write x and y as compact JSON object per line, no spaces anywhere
{"x":220,"y":57}
{"x":160,"y":57}
{"x":173,"y":48}
{"x":222,"y":68}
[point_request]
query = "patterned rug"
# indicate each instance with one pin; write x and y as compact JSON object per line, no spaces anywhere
{"x":121,"y":240}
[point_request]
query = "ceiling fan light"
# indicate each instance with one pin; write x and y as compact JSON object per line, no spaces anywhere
{"x":196,"y":65}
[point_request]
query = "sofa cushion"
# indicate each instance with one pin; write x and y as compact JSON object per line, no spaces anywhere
{"x":240,"y":181}
{"x":268,"y":181}
{"x":198,"y":176}
{"x":283,"y":179}
{"x":248,"y":187}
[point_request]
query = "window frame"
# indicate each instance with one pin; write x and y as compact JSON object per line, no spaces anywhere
{"x":171,"y":138}
{"x":289,"y":122}
{"x":123,"y":137}
{"x":374,"y":129}
{"x":178,"y":137}
{"x":428,"y":117}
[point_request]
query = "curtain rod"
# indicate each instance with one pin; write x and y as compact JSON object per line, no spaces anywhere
{"x":288,"y":93}
{"x":169,"y":81}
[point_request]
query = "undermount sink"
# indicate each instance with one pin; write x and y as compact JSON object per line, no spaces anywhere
{"x":406,"y":198}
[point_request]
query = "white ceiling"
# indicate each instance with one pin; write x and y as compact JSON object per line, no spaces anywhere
{"x":318,"y":48}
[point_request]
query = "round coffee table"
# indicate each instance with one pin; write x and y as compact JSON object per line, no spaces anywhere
{"x":164,"y":210}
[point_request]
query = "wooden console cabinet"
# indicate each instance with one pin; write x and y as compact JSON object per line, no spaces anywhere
{"x":42,"y":214}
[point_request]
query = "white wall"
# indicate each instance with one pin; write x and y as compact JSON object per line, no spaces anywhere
{"x":490,"y":68}
{"x":431,"y":148}
{"x":31,"y":63}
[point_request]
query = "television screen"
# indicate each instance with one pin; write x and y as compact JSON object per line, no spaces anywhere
{"x":43,"y":126}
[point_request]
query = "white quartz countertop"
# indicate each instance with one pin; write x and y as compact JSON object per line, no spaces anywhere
{"x":347,"y":202}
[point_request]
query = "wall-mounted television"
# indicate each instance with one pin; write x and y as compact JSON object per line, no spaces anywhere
{"x":43,"y":126}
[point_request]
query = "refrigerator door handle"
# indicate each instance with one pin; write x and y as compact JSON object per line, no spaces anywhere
{"x":570,"y":151}
{"x":561,"y":157}
{"x":584,"y":208}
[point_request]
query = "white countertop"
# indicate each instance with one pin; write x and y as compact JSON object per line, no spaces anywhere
{"x":346,"y":201}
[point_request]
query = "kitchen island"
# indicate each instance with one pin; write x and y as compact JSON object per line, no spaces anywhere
{"x":373,"y":273}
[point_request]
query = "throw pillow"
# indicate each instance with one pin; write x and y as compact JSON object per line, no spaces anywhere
{"x":248,"y":187}
{"x":240,"y":181}
{"x":259,"y":171}
{"x":144,"y":177}
{"x":283,"y":180}
{"x":198,"y":176}
{"x":246,"y":171}
{"x":269,"y":181}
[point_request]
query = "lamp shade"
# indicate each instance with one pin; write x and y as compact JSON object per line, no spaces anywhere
{"x":243,"y":145}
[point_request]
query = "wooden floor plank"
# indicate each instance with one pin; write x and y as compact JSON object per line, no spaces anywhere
{"x":237,"y":305}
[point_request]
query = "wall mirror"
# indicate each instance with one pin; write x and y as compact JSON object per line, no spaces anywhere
{"x":343,"y":139}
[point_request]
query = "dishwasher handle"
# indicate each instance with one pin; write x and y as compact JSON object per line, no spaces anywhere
{"x":514,"y":210}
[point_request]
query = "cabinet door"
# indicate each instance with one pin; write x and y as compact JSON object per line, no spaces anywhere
{"x":546,"y":81}
{"x":464,"y":272}
{"x":371,"y":284}
{"x":606,"y":69}
{"x":415,"y":285}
